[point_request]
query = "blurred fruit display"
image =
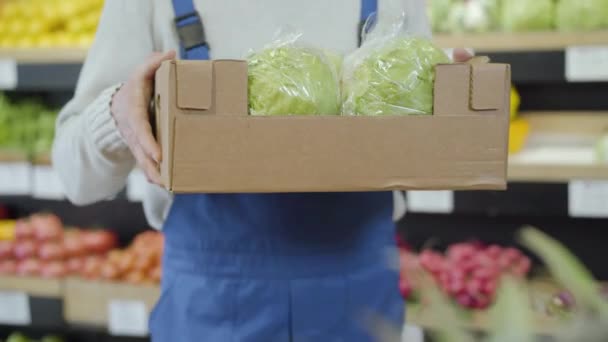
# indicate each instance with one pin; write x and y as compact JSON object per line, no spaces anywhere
{"x":42,"y":246}
{"x":48,"y":23}
{"x":469,"y":273}
{"x":26,"y":126}
{"x":19,"y":337}
{"x":478,"y":16}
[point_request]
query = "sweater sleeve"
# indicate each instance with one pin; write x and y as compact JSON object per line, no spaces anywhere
{"x":89,"y":154}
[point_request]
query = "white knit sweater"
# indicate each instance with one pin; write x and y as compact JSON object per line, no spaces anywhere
{"x":89,"y":154}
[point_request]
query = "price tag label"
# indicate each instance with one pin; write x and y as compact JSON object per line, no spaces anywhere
{"x":434,"y":202}
{"x":412,"y":333}
{"x":136,"y":186}
{"x":587,"y":63}
{"x":127,"y":318}
{"x":46,"y":184}
{"x":588,"y":199}
{"x":15,"y":308}
{"x":15,"y":178}
{"x":8,"y":74}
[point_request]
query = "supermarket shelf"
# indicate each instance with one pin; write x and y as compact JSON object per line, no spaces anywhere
{"x":547,"y":173}
{"x":50,"y":288}
{"x":520,"y":42}
{"x":44,"y":55}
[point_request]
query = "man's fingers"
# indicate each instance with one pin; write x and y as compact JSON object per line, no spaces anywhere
{"x":461,"y":55}
{"x":154,"y":62}
{"x":143,"y":135}
{"x":146,"y":165}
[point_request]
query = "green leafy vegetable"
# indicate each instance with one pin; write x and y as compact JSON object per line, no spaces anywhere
{"x":577,"y":15}
{"x":393,"y":76}
{"x":289,"y":79}
{"x":526,"y":15}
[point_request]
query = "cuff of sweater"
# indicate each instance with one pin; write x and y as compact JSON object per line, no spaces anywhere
{"x":102,"y":126}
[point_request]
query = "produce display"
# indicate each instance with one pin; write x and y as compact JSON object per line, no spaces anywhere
{"x":288,"y":79}
{"x":469,"y":273}
{"x":26,"y":126}
{"x":391,"y":76}
{"x":19,"y":337}
{"x":48,"y":23}
{"x":477,"y":16}
{"x":43,"y":247}
{"x":139,"y":263}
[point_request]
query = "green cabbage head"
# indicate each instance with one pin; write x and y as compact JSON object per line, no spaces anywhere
{"x":295,"y":80}
{"x":582,"y":15}
{"x":393,"y":77}
{"x":527,"y":15}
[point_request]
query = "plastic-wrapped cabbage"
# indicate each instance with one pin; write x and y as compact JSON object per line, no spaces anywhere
{"x":392,"y":76}
{"x":582,"y":15}
{"x":473,"y":16}
{"x":288,"y":79}
{"x":526,"y":15}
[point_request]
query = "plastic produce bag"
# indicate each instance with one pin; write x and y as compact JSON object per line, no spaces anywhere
{"x":582,"y":15}
{"x":394,"y":71}
{"x":526,"y":15}
{"x":473,"y":16}
{"x":286,"y":78}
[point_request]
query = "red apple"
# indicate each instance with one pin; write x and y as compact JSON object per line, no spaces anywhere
{"x":8,"y":267}
{"x":47,"y":227}
{"x":74,"y":265}
{"x":28,"y":267}
{"x":73,"y":244}
{"x":24,"y":249}
{"x":99,"y":241}
{"x":6,"y":249}
{"x":23,"y":229}
{"x":53,"y":269}
{"x":51,"y":251}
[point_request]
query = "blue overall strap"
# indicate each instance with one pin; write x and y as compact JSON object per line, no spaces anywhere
{"x":368,"y":8}
{"x":190,"y":30}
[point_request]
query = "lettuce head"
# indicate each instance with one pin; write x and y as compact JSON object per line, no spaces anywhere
{"x":394,"y":76}
{"x":526,"y":15}
{"x":289,"y":79}
{"x":582,"y":15}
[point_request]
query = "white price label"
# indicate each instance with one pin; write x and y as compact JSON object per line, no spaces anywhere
{"x":136,"y":186}
{"x":127,"y":318}
{"x":436,"y":202}
{"x":412,"y":333}
{"x":15,"y":308}
{"x":46,"y":184}
{"x":588,"y":199}
{"x":15,"y":178}
{"x":587,"y":63}
{"x":8,"y":74}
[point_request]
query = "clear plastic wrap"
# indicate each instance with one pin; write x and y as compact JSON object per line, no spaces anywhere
{"x":287,"y":78}
{"x":394,"y":70}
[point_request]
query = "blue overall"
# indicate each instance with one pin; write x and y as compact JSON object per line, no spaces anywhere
{"x":275,"y":267}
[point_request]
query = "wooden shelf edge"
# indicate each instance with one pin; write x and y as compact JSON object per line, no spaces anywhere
{"x":514,"y":42}
{"x":44,"y":55}
{"x":547,"y":173}
{"x":51,"y":288}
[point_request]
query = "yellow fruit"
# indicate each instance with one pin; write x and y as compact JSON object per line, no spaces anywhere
{"x":45,"y":40}
{"x":7,"y":230}
{"x":515,"y":102}
{"x":16,"y":28}
{"x":518,"y":133}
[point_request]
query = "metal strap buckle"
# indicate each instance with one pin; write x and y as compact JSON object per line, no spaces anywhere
{"x":192,"y":33}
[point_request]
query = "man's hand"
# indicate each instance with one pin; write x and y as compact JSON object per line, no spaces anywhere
{"x":130,"y":110}
{"x":461,"y":55}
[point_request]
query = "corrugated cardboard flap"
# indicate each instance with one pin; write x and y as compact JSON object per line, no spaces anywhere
{"x":488,"y":86}
{"x":194,"y":84}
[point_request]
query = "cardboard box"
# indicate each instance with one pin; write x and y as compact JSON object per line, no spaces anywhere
{"x":88,"y":302}
{"x":211,"y":145}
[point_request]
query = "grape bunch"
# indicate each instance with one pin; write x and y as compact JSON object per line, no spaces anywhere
{"x":468,"y":272}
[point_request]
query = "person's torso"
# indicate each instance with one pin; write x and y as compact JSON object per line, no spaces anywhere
{"x":234,"y":27}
